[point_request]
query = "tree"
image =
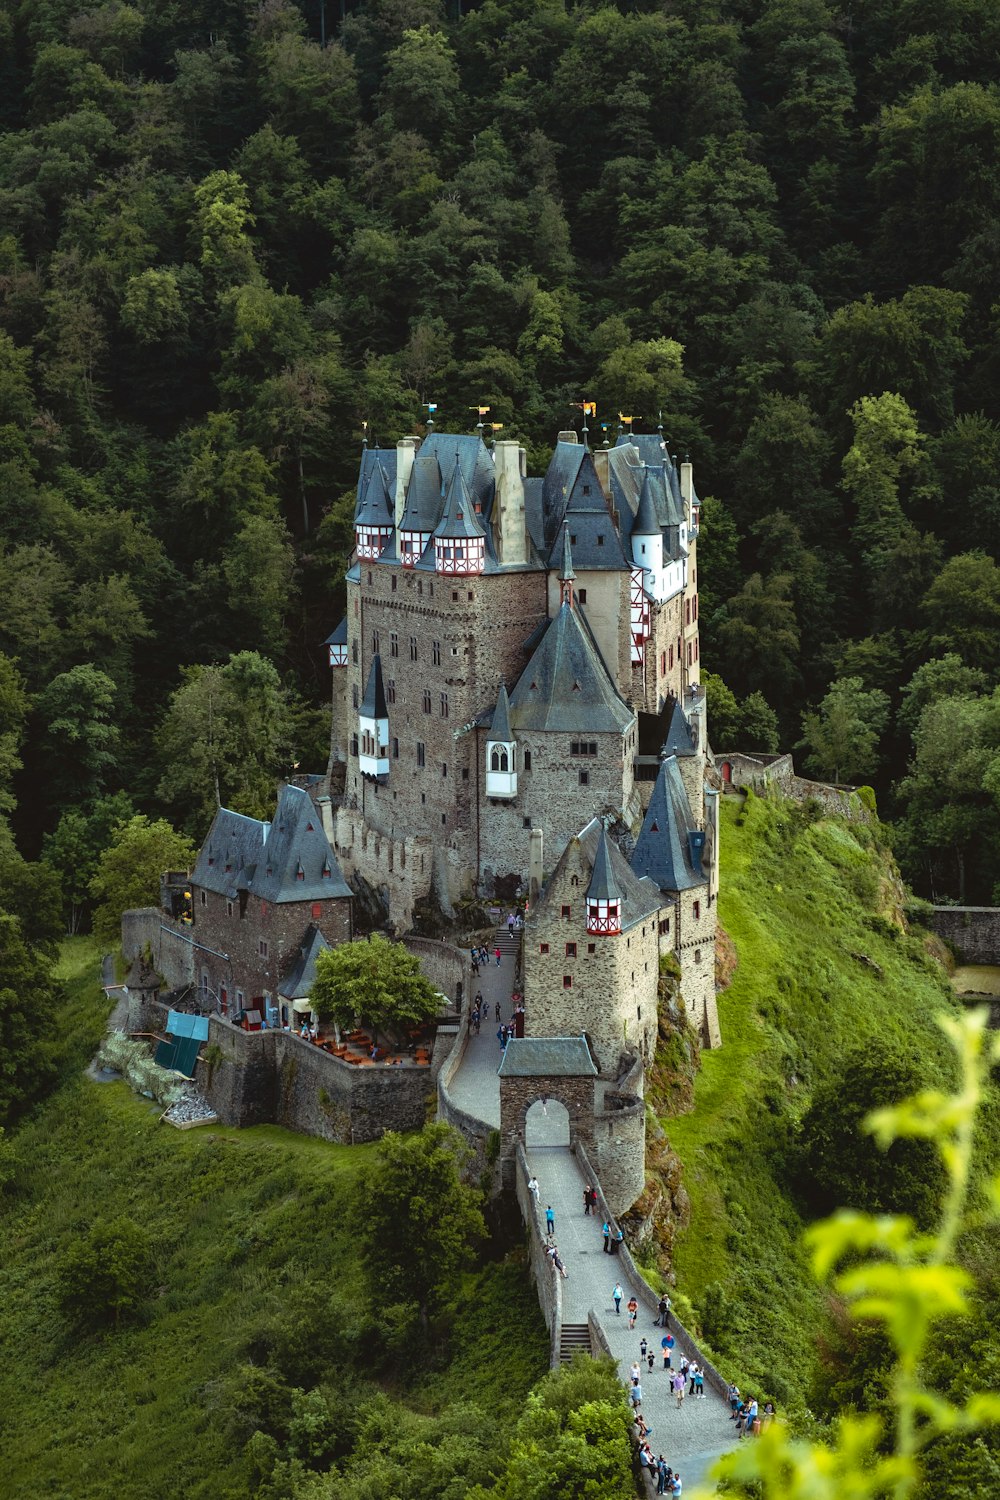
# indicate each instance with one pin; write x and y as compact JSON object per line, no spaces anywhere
{"x":375,"y":980}
{"x":13,"y":712}
{"x":80,"y":742}
{"x":258,"y":565}
{"x":962,"y":607}
{"x":27,"y":992}
{"x":128,"y":872}
{"x":418,"y":1222}
{"x":224,"y":739}
{"x":106,"y":1276}
{"x":758,"y":724}
{"x":74,"y":848}
{"x":843,"y":735}
{"x":886,"y":445}
{"x":759,"y":636}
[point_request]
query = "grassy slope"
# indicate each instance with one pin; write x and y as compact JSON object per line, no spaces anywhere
{"x":798,"y":900}
{"x":245,"y":1224}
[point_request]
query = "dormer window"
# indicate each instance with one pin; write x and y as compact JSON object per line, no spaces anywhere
{"x":603,"y":916}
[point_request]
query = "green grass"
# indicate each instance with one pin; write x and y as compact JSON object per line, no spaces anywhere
{"x":799,"y":898}
{"x":83,"y":1015}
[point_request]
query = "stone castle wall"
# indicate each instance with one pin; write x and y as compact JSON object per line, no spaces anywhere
{"x":219,"y":926}
{"x":973,"y":931}
{"x":168,"y":943}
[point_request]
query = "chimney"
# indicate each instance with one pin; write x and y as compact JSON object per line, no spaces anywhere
{"x":511,"y":462}
{"x":567,"y":437}
{"x":602,"y":464}
{"x":534,"y":866}
{"x":406,"y":452}
{"x":687,"y":487}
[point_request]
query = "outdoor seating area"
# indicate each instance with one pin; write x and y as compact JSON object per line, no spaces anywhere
{"x":355,"y":1047}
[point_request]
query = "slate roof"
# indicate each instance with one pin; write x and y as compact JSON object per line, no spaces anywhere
{"x":373,"y":704}
{"x":566,"y":685}
{"x":679,"y":740}
{"x":647,"y":520}
{"x":500,"y":727}
{"x":459,"y":518}
{"x":339,"y":636}
{"x":475,"y":461}
{"x":566,"y":570}
{"x":547,"y":1057}
{"x":596,"y":544}
{"x":663,"y":851}
{"x":375,"y":508}
{"x":424,"y":495}
{"x":639,"y":898}
{"x":371,"y":458}
{"x":602,"y":885}
{"x":301,"y":973}
{"x":560,"y":477}
{"x":265,"y":859}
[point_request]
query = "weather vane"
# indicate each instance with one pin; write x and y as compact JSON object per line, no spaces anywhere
{"x":482,"y":410}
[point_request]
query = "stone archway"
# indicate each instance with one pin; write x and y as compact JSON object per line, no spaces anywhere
{"x":546,"y":1123}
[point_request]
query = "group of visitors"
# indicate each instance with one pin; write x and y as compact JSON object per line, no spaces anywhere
{"x":746,"y":1413}
{"x":613,"y":1239}
{"x":481,"y":958}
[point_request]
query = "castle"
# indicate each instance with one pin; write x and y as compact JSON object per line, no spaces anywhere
{"x":516,"y":707}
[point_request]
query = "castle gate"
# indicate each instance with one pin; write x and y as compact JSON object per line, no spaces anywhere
{"x":553,"y":1079}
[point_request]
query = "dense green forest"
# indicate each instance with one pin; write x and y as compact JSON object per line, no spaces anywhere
{"x":225,"y":246}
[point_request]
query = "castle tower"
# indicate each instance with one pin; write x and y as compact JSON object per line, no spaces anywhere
{"x":459,"y":539}
{"x":501,"y":751}
{"x":373,"y":727}
{"x":373,"y":522}
{"x":604,"y":900}
{"x":421,"y":510}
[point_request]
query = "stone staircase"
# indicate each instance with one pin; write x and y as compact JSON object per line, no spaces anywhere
{"x":574,"y":1339}
{"x":509,"y":944}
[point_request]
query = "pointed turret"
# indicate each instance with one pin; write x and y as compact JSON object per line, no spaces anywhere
{"x":501,"y":751}
{"x":373,"y":726}
{"x":647,"y":537}
{"x":422,"y":510}
{"x":670,"y":848}
{"x":604,"y":900}
{"x":459,"y":539}
{"x":374,"y":518}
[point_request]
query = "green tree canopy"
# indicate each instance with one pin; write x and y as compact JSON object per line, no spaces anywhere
{"x":128,"y":872}
{"x":418,"y":1222}
{"x":843,"y":734}
{"x":107,"y":1274}
{"x":376,"y":981}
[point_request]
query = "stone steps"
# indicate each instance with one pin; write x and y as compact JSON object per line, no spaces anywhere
{"x":574,"y":1339}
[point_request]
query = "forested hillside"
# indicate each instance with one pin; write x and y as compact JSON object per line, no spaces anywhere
{"x":224,"y":247}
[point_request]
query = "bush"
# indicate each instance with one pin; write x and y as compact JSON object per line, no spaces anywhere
{"x":105,"y":1277}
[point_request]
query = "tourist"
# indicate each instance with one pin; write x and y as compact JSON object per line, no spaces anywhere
{"x":634,"y":1372}
{"x":692,"y":1377}
{"x":636,"y":1394}
{"x":733,"y":1396}
{"x":593,"y":1200}
{"x":650,"y":1360}
{"x":699,"y":1384}
{"x":550,"y":1220}
{"x":684,"y":1364}
{"x":498,"y":1010}
{"x":606,"y":1229}
{"x":676,"y":1487}
{"x":663,"y":1312}
{"x":617,"y":1295}
{"x":769,"y":1412}
{"x":510,"y":925}
{"x":497,"y":955}
{"x":619,"y":1240}
{"x":533,"y":1186}
{"x":667,"y":1345}
{"x":633,"y":1311}
{"x":586,"y":1199}
{"x":678,"y":1387}
{"x":553,"y":1251}
{"x":751,"y":1426}
{"x":475,"y":960}
{"x":643,"y":1346}
{"x":661,"y":1475}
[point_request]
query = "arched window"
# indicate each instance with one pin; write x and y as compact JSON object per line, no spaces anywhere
{"x":498,"y":759}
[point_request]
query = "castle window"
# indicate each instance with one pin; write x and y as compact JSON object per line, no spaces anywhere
{"x":436,"y":653}
{"x":229,"y":908}
{"x":444,"y":818}
{"x":420,"y":588}
{"x":427,"y":700}
{"x":697,"y":910}
{"x":454,"y":594}
{"x":375,"y":641}
{"x":586,"y":489}
{"x":317,"y":909}
{"x":671,"y":656}
{"x":395,"y":748}
{"x":263,"y":948}
{"x":572,"y":541}
{"x":697,"y":955}
{"x":465,"y":773}
{"x":470,"y":596}
{"x":567,"y":981}
{"x":664,"y":926}
{"x":413,"y":648}
{"x":420,"y":753}
{"x":369,"y":578}
{"x":584,"y":778}
{"x":390,"y":692}
{"x":565,"y":912}
{"x":354,"y":652}
{"x":498,"y":759}
{"x":663,"y":664}
{"x":444,"y":705}
{"x":527,"y":760}
{"x":444,"y":768}
{"x":527,"y":821}
{"x":570,"y":950}
{"x":638,"y":1012}
{"x":393,"y":640}
{"x":543,"y":947}
{"x":354,"y":744}
{"x":600,"y":540}
{"x":581,"y":594}
{"x":393,"y":583}
{"x":591,"y":947}
{"x":583,"y":747}
{"x":574,"y":880}
{"x":354,"y":694}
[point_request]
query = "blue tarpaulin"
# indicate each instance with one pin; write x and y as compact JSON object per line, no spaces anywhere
{"x":179,"y":1024}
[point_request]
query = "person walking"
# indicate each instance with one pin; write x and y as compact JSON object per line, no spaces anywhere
{"x":692,"y":1377}
{"x":643,"y":1346}
{"x":586,"y":1199}
{"x":606,"y":1230}
{"x":676,"y":1488}
{"x":733,"y":1396}
{"x":617,"y":1294}
{"x":510,"y":925}
{"x":533,"y":1187}
{"x":663,"y":1312}
{"x":636,"y":1394}
{"x":593,"y":1200}
{"x":667,"y":1345}
{"x":650,"y":1360}
{"x":497,"y":954}
{"x":633,"y":1310}
{"x":699,"y":1384}
{"x":550,"y":1220}
{"x":498,"y":1010}
{"x":678,"y":1387}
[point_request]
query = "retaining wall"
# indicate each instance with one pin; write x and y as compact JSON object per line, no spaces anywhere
{"x":548,"y":1282}
{"x":973,"y":931}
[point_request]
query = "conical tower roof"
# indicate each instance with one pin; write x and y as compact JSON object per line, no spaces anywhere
{"x":647,"y":522}
{"x":566,"y":685}
{"x":663,"y":850}
{"x":459,"y":519}
{"x":376,"y":502}
{"x":373,"y":704}
{"x":566,"y":570}
{"x":603,"y":886}
{"x":422,"y":510}
{"x":500,"y":727}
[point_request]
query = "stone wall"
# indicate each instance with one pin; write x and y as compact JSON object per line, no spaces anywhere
{"x":448,"y":968}
{"x":169,"y":945}
{"x":517,"y":1095}
{"x":548,"y":1282}
{"x":620,"y":1140}
{"x":476,"y":1132}
{"x":973,"y":931}
{"x":759,"y":772}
